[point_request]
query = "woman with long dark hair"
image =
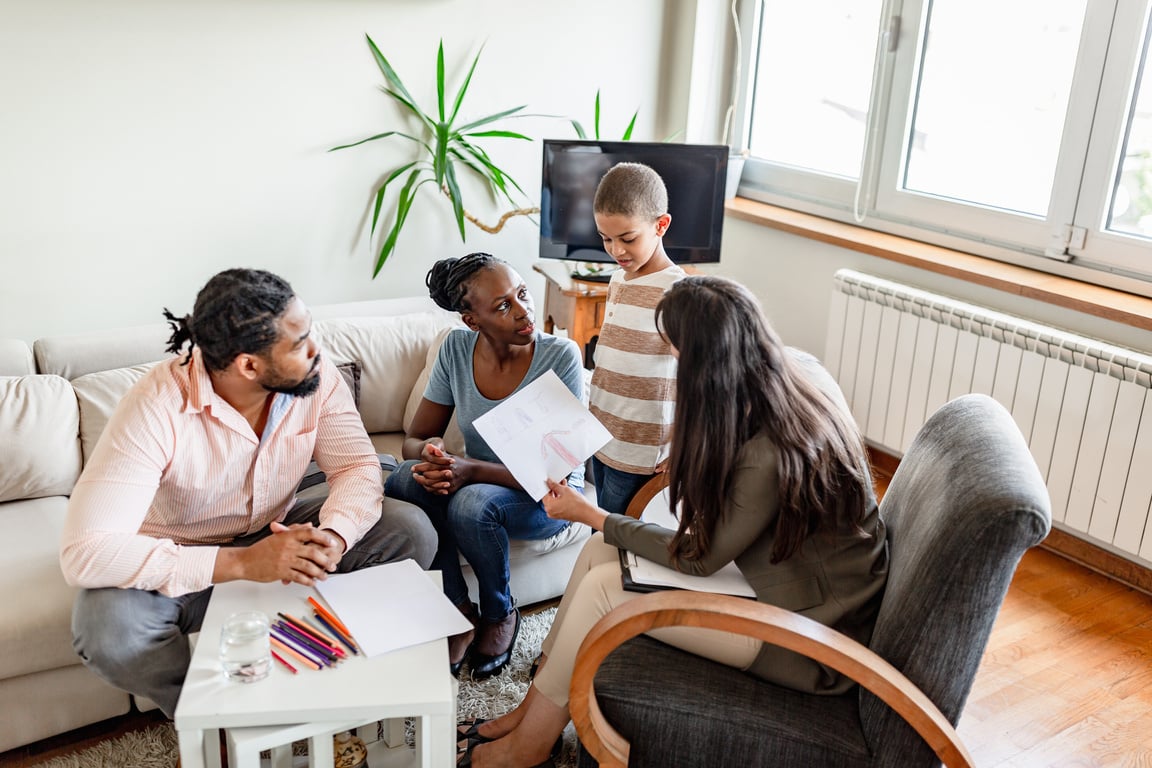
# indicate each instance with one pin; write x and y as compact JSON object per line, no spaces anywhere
{"x":767,"y":470}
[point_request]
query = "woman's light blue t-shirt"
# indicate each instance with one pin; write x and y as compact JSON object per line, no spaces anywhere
{"x":453,"y":383}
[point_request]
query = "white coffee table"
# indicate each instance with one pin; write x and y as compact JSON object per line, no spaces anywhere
{"x":412,"y":682}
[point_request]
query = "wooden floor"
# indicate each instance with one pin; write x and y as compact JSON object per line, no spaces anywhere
{"x":1066,"y":679}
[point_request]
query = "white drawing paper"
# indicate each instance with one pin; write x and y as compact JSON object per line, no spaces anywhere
{"x":541,"y":432}
{"x":391,"y":606}
{"x":728,"y":580}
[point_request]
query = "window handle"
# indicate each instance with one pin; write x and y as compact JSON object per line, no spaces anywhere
{"x":891,"y":36}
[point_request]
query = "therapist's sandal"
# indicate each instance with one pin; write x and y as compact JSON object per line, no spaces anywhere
{"x":464,"y":759}
{"x":494,"y":643}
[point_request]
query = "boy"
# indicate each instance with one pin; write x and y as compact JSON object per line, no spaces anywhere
{"x":633,"y":384}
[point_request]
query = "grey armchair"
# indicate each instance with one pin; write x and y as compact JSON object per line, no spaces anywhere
{"x":964,"y":505}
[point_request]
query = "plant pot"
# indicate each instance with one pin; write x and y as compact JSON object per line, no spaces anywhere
{"x":735,"y":168}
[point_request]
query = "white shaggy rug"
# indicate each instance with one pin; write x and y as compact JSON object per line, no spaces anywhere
{"x":156,"y":747}
{"x":497,"y":695}
{"x":153,"y":747}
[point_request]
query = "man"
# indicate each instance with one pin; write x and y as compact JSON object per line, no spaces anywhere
{"x":193,"y":483}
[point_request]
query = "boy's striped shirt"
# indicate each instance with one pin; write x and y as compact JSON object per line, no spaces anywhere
{"x":634,"y":382}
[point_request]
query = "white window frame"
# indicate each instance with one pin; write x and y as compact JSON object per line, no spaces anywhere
{"x":1103,"y":248}
{"x":1112,"y":41}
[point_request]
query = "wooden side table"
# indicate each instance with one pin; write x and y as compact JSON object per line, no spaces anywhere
{"x":577,"y":306}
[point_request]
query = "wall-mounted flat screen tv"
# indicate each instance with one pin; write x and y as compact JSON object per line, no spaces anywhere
{"x":695,"y":175}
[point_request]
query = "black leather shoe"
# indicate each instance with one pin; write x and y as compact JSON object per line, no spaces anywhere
{"x":485,"y":665}
{"x":460,"y":646}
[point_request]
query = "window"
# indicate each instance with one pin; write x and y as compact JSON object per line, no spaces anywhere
{"x":1017,"y":129}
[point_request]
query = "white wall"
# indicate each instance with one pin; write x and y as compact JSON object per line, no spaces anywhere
{"x":147,"y":144}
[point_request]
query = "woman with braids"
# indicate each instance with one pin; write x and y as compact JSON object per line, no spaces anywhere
{"x":473,"y":500}
{"x":193,"y":483}
{"x":768,"y":470}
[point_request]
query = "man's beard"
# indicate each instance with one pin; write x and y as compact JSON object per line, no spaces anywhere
{"x":303,"y":388}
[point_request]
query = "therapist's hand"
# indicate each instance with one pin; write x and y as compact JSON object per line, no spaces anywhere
{"x":562,"y":502}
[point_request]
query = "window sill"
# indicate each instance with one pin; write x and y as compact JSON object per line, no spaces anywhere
{"x":1107,"y":303}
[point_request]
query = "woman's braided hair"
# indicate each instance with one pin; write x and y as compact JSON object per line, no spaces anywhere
{"x":448,"y":279}
{"x":236,"y":312}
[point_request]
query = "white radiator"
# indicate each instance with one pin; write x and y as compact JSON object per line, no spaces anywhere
{"x":1085,"y":407}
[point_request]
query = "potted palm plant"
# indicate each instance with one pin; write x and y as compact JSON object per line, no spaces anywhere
{"x":582,"y":134}
{"x":445,"y":146}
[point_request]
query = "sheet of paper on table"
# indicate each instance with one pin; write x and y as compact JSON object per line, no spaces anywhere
{"x":542,"y":431}
{"x":391,"y":606}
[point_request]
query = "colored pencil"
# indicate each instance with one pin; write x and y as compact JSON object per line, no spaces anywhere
{"x":312,"y":631}
{"x":314,"y":634}
{"x":324,"y":658}
{"x":312,"y":622}
{"x":307,"y":641}
{"x":298,"y":650}
{"x":300,"y":657}
{"x":330,"y":616}
{"x":280,"y":659}
{"x":343,"y":638}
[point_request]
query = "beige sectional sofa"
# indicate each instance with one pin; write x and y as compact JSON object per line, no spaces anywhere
{"x":55,"y":398}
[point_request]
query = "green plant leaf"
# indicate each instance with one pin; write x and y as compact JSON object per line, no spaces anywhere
{"x":396,"y":89}
{"x":494,"y":181}
{"x":631,"y":125}
{"x":503,"y":134}
{"x":483,"y":158}
{"x":380,"y":192}
{"x":491,"y":119}
{"x":403,"y":205}
{"x":485,"y":170}
{"x":373,"y":138}
{"x":464,"y":86}
{"x":440,"y":80}
{"x":579,"y":129}
{"x":440,"y":152}
{"x":596,"y":122}
{"x":457,"y":202}
{"x":424,"y":118}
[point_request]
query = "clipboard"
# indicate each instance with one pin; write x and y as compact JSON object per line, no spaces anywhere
{"x":630,"y":584}
{"x":638,"y":574}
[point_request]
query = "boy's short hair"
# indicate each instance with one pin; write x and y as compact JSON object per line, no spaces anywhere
{"x":631,"y":189}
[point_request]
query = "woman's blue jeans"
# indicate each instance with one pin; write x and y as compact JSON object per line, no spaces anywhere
{"x":477,"y":522}
{"x":615,"y":488}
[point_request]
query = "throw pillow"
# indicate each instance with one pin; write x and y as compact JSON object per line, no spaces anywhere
{"x":98,"y":394}
{"x":453,"y":438}
{"x":350,"y":372}
{"x":39,"y":423}
{"x":390,"y":351}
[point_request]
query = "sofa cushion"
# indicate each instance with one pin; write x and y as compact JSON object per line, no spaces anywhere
{"x":392,"y":352}
{"x":403,"y":305}
{"x":16,"y":358}
{"x":453,"y":437}
{"x":79,"y":354}
{"x":36,"y":612}
{"x":39,"y":453}
{"x":98,"y":394}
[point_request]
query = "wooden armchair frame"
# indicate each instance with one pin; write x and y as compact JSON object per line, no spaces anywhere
{"x":767,"y":623}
